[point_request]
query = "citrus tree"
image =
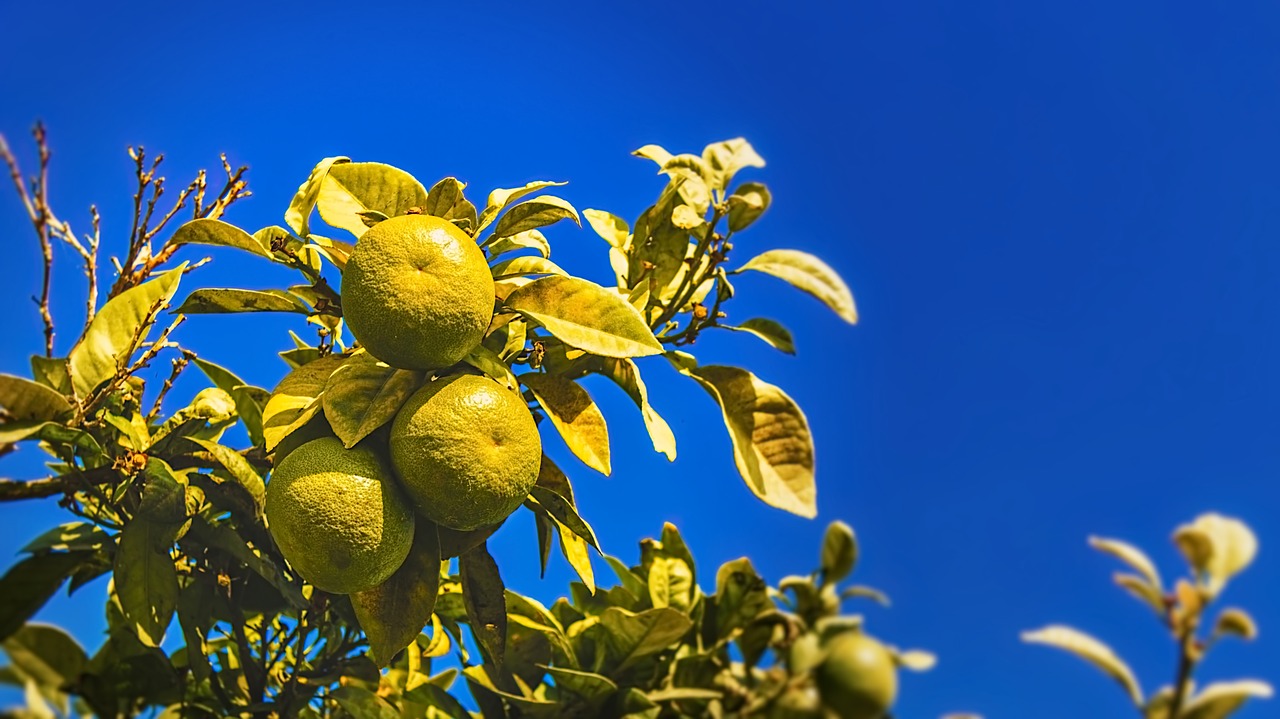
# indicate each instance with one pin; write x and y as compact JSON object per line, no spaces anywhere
{"x":321,"y":569}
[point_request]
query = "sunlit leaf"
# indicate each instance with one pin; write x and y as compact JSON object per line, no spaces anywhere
{"x":1141,"y":589}
{"x":117,"y":329}
{"x":145,"y":579}
{"x":530,"y":240}
{"x":239,"y":469}
{"x":532,"y":214}
{"x":770,"y":331}
{"x":296,"y":399}
{"x":1236,"y":622}
{"x":363,"y":394}
{"x":633,"y":636}
{"x":25,"y":400}
{"x":916,"y":660}
{"x":249,"y":400}
{"x":746,"y":204}
{"x":393,"y":613}
{"x":1091,"y":650}
{"x":51,"y":372}
{"x":653,"y":152}
{"x":71,"y":536}
{"x":1220,"y":699}
{"x":520,"y":266}
{"x":445,"y":199}
{"x":626,"y":375}
{"x":585,"y":315}
{"x":859,"y":591}
{"x":1131,"y":556}
{"x":487,"y":361}
{"x":1219,"y":547}
{"x":352,"y":188}
{"x":304,"y":201}
{"x":839,"y":552}
{"x":810,"y":274}
{"x":612,"y":228}
{"x":564,"y":512}
{"x":208,"y":231}
{"x":575,"y":415}
{"x":207,"y":301}
{"x":500,"y":198}
{"x":725,"y":159}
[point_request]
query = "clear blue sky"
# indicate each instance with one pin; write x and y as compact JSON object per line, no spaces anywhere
{"x":1060,"y":224}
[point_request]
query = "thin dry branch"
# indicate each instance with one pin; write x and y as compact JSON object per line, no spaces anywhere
{"x":35,"y":199}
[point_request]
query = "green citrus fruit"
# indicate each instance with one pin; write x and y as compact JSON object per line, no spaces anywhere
{"x":338,"y":516}
{"x":797,"y":703}
{"x":858,"y":679}
{"x":417,"y":292}
{"x":466,"y":451}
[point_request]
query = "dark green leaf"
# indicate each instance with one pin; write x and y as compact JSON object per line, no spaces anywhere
{"x":633,"y":637}
{"x":212,"y":301}
{"x":117,"y":330}
{"x":207,"y":231}
{"x":585,"y":684}
{"x":394,"y":613}
{"x":239,"y":469}
{"x":585,"y":315}
{"x":361,"y":703}
{"x":29,"y":584}
{"x":364,"y":394}
{"x":741,"y":595}
{"x":145,"y":579}
{"x":47,"y":655}
{"x":71,"y":536}
{"x":26,"y":400}
{"x":484,"y":596}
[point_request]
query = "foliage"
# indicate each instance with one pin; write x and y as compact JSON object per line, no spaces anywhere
{"x":1216,"y":549}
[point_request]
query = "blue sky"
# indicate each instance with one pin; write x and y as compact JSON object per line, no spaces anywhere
{"x":1059,"y":222}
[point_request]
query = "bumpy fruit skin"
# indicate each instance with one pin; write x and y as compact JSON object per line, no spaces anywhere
{"x":858,"y":679}
{"x":466,"y":451}
{"x":338,"y":516}
{"x":417,"y":292}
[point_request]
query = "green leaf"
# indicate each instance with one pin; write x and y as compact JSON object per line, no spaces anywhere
{"x":29,"y":584}
{"x":632,"y":583}
{"x":532,"y":214}
{"x":224,"y":537}
{"x":562,"y":509}
{"x":239,"y":468}
{"x":770,"y":331}
{"x":117,"y":330}
{"x":296,"y":399}
{"x":68,"y":537}
{"x":809,"y":274}
{"x":521,"y":266}
{"x":393,"y":613}
{"x":447,"y":201}
{"x":653,"y":152}
{"x":687,"y":218}
{"x":207,"y":231}
{"x":500,"y":198}
{"x":1091,"y":650}
{"x":839,"y":552}
{"x":612,"y":228}
{"x":26,"y":400}
{"x":47,"y":656}
{"x":771,"y":444}
{"x":670,"y":582}
{"x":1220,"y":699}
{"x":353,"y":188}
{"x":626,"y":374}
{"x":249,"y":400}
{"x":633,"y":637}
{"x":487,"y":361}
{"x":1131,"y":556}
{"x":585,"y":315}
{"x":213,"y":301}
{"x":361,"y":703}
{"x":746,"y":204}
{"x":724,"y":159}
{"x":304,"y":201}
{"x":859,"y":591}
{"x":531,"y":240}
{"x":575,"y":415}
{"x":1218,"y":547}
{"x":483,"y":593}
{"x":1235,"y":622}
{"x":741,"y":596}
{"x":145,"y":579}
{"x":363,"y":394}
{"x":51,"y":372}
{"x":585,"y":684}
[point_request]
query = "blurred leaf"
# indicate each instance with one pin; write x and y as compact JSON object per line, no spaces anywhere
{"x":239,"y":468}
{"x":1131,"y":556}
{"x":1236,"y":622}
{"x":770,"y":331}
{"x":484,"y":596}
{"x":210,"y":301}
{"x":585,"y":684}
{"x":612,"y":228}
{"x":71,"y":536}
{"x":575,"y":415}
{"x":633,"y":637}
{"x":1220,"y":699}
{"x":29,"y":584}
{"x":304,"y":201}
{"x":771,"y":443}
{"x":361,"y":703}
{"x":746,"y":204}
{"x":352,"y":188}
{"x":393,"y":613}
{"x":531,"y":240}
{"x":52,"y":372}
{"x":207,"y":231}
{"x":916,"y":660}
{"x":626,"y":374}
{"x":116,"y":330}
{"x":145,"y":579}
{"x":687,"y":218}
{"x":47,"y":655}
{"x":195,"y":617}
{"x":500,"y":198}
{"x":532,"y":214}
{"x":521,"y":266}
{"x":1091,"y":650}
{"x":670,"y":583}
{"x":1142,"y":590}
{"x":585,"y":315}
{"x":1218,"y":546}
{"x":725,"y":159}
{"x":296,"y":399}
{"x":26,"y":400}
{"x":363,"y":394}
{"x":839,"y":552}
{"x":809,"y":274}
{"x":741,"y":595}
{"x":859,"y":591}
{"x":440,"y":699}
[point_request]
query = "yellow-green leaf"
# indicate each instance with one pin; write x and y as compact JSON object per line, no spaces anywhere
{"x":1217,"y":546}
{"x":296,"y":399}
{"x":25,"y":400}
{"x":626,"y":375}
{"x":531,"y":214}
{"x":364,"y":394}
{"x":575,"y":415}
{"x":118,"y":329}
{"x":1091,"y":650}
{"x":528,"y":240}
{"x":839,"y":552}
{"x":585,"y":315}
{"x":653,"y":152}
{"x":1131,"y":556}
{"x":352,"y":188}
{"x":809,"y":274}
{"x":521,"y":266}
{"x":772,"y":447}
{"x":394,"y":613}
{"x":1221,"y":699}
{"x":210,"y":300}
{"x":146,"y":581}
{"x":746,"y":204}
{"x":304,"y":201}
{"x":207,"y":231}
{"x":1235,"y":622}
{"x":445,"y":199}
{"x":500,"y":198}
{"x":633,"y":636}
{"x":771,"y":331}
{"x":725,"y":159}
{"x":612,"y":228}
{"x":917,"y":660}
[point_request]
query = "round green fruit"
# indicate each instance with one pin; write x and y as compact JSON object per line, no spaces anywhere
{"x":417,"y":292}
{"x":338,"y":516}
{"x":858,"y":679}
{"x":466,"y":451}
{"x":797,"y":703}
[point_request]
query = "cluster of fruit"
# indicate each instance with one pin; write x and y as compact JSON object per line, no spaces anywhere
{"x":463,"y":451}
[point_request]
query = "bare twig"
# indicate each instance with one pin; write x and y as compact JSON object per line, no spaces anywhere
{"x":179,"y":364}
{"x":36,"y":201}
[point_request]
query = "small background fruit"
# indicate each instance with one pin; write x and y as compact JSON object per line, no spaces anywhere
{"x":338,"y":516}
{"x":417,"y":292}
{"x":858,"y":679}
{"x":466,"y":451}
